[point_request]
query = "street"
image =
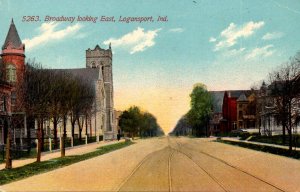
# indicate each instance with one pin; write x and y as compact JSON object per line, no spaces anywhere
{"x":172,"y":164}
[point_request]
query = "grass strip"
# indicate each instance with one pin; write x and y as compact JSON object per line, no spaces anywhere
{"x":10,"y":175}
{"x":277,"y":139}
{"x":268,"y":149}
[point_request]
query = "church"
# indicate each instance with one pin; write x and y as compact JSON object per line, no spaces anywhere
{"x":98,"y":68}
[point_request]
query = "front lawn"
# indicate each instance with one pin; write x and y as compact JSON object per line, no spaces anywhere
{"x":276,"y":139}
{"x":269,"y":149}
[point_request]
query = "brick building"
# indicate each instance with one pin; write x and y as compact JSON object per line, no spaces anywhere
{"x":232,"y":109}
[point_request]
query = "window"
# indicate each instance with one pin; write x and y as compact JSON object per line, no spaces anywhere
{"x":11,"y":73}
{"x":3,"y":104}
{"x":240,"y":114}
{"x":93,"y":65}
{"x":13,"y":98}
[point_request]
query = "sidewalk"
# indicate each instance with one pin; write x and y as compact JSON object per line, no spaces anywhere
{"x":257,"y":143}
{"x":77,"y":150}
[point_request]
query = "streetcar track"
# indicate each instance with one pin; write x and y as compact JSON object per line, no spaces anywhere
{"x":232,"y":166}
{"x":169,"y":169}
{"x":211,"y":176}
{"x":179,"y":147}
{"x":143,"y":162}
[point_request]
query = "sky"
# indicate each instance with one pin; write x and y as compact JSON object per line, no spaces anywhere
{"x":227,"y":45}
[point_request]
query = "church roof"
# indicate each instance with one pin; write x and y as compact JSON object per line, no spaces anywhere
{"x":12,"y":36}
{"x":86,"y":74}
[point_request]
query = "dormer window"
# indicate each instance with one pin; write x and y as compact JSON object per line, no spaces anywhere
{"x":11,"y":73}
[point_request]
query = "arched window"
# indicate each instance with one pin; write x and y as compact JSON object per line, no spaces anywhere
{"x":11,"y":73}
{"x":93,"y":65}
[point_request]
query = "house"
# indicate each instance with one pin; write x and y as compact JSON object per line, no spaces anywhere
{"x":232,"y":109}
{"x":271,"y":113}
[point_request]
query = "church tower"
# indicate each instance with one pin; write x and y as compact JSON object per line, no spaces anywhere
{"x":102,"y":59}
{"x":13,"y":62}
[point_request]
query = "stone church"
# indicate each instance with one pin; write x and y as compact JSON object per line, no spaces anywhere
{"x":98,"y":69}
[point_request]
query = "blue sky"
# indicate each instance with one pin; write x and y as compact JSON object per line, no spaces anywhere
{"x":229,"y":44}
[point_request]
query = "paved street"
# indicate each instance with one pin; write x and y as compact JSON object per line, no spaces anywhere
{"x":172,"y":164}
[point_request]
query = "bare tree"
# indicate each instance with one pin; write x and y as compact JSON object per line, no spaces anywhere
{"x":285,"y":91}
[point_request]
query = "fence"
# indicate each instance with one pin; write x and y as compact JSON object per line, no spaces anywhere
{"x":18,"y":151}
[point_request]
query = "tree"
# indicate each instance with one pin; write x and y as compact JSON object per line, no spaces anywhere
{"x":130,"y":120}
{"x":36,"y":84}
{"x":182,"y":127}
{"x":201,"y":109}
{"x":134,"y":121}
{"x":284,"y":89}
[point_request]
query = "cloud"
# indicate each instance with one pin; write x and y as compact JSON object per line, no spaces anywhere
{"x":137,"y":41}
{"x":49,"y":33}
{"x":261,"y":52}
{"x":212,"y":39}
{"x":176,"y":30}
{"x":274,"y":35}
{"x":232,"y":33}
{"x":234,"y":52}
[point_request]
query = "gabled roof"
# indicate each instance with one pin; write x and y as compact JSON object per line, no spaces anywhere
{"x":12,"y":37}
{"x":242,"y":98}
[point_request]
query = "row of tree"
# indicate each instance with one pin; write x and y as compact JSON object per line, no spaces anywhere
{"x":57,"y":95}
{"x":135,"y":122}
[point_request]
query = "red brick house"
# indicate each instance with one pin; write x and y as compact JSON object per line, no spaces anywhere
{"x":233,"y":103}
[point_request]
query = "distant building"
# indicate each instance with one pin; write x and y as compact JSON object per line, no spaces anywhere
{"x":232,"y":109}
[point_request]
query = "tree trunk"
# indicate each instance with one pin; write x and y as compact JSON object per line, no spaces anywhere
{"x":80,"y":126}
{"x":73,"y":120}
{"x":55,"y":120}
{"x":86,"y":125}
{"x":64,"y":137}
{"x":290,"y":126}
{"x":43,"y":135}
{"x":284,"y":122}
{"x":28,"y":137}
{"x":8,"y":161}
{"x":38,"y":154}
